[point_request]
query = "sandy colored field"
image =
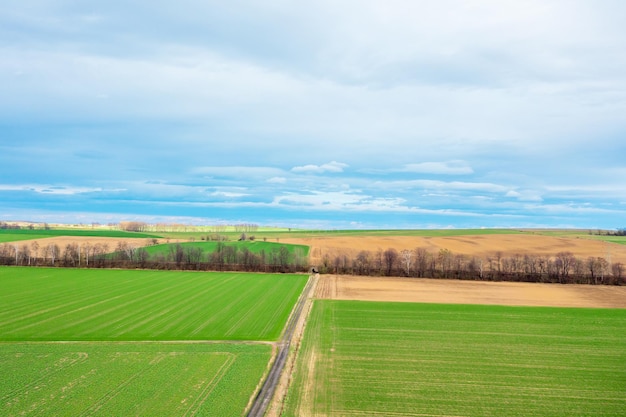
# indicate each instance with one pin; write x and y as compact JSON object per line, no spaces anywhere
{"x":482,"y":246}
{"x":63,"y":241}
{"x":340,"y":287}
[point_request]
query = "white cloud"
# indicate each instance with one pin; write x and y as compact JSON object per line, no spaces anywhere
{"x":389,"y":88}
{"x":333,"y":166}
{"x":447,"y":168}
{"x":443,"y":185}
{"x":249,"y":172}
{"x":51,"y":189}
{"x":525,"y":195}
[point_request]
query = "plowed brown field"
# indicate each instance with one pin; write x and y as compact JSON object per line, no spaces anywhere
{"x":482,"y":246}
{"x":63,"y":241}
{"x":340,"y":287}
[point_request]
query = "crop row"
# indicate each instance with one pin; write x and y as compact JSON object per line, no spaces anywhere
{"x":370,"y":358}
{"x":78,"y":304}
{"x":94,"y":378}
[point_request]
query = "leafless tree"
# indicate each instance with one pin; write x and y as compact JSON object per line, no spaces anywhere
{"x":597,"y":267}
{"x":421,"y":261}
{"x":445,"y":261}
{"x":563,"y":263}
{"x":389,"y":258}
{"x":25,"y":254}
{"x":34,"y":248}
{"x":617,"y":269}
{"x":406,"y":257}
{"x":133,"y":226}
{"x":362,"y":263}
{"x":70,"y":254}
{"x":52,"y":251}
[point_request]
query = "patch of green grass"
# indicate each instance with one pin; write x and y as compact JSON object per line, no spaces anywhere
{"x":8,"y":237}
{"x":369,"y":358}
{"x":124,"y":379}
{"x":580,"y":234}
{"x":210,"y":247}
{"x":46,"y":304}
{"x":11,"y":235}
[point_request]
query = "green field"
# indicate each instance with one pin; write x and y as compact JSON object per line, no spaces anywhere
{"x":13,"y":235}
{"x":393,"y":359}
{"x":255,"y":247}
{"x":124,"y":379}
{"x":127,"y":342}
{"x":40,"y":304}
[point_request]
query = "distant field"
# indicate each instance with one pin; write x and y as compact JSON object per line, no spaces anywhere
{"x":209,"y":247}
{"x":375,"y":358}
{"x":12,"y":235}
{"x":124,"y":379}
{"x":409,"y":232}
{"x":493,"y":243}
{"x":277,"y":234}
{"x":39,"y":304}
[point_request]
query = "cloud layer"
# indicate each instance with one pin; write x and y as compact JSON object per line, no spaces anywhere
{"x":335,"y":114}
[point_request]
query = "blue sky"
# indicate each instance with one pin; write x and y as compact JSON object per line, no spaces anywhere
{"x":326,"y":114}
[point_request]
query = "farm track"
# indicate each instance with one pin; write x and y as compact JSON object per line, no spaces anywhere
{"x":263,"y":398}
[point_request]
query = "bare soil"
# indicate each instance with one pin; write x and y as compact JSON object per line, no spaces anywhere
{"x":63,"y":241}
{"x":481,"y":246}
{"x":340,"y":287}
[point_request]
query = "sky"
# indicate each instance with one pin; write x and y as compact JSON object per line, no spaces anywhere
{"x":322,"y":114}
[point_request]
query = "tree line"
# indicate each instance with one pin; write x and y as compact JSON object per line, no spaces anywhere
{"x":564,"y":267}
{"x":225,"y":257}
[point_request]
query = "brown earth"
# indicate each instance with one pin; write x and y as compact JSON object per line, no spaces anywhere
{"x":481,"y":246}
{"x":63,"y":241}
{"x":340,"y":287}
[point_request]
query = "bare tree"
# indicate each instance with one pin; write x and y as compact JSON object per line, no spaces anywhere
{"x":34,"y":248}
{"x":617,"y":269}
{"x":299,"y":259}
{"x":445,"y":261}
{"x":52,"y":251}
{"x":362,"y":263}
{"x":406,"y":256}
{"x":70,"y":254}
{"x":563,"y":263}
{"x":86,"y":249}
{"x":133,"y":226}
{"x":389,"y":258}
{"x":597,"y":268}
{"x":25,"y":254}
{"x":421,"y":261}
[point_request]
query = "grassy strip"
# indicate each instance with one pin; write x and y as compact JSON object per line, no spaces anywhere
{"x":255,"y":247}
{"x":11,"y":235}
{"x":40,"y":304}
{"x":123,"y":379}
{"x":366,"y":358}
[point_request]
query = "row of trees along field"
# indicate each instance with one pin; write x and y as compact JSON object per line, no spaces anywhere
{"x":225,"y":257}
{"x":563,"y":267}
{"x":135,"y":226}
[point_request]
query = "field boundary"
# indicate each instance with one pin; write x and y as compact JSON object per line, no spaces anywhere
{"x":450,"y":291}
{"x":268,"y":389}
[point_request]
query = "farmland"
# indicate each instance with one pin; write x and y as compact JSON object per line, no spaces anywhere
{"x":115,"y":379}
{"x":11,"y":235}
{"x":377,"y":358}
{"x":255,"y":247}
{"x":127,"y":342}
{"x":74,"y":304}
